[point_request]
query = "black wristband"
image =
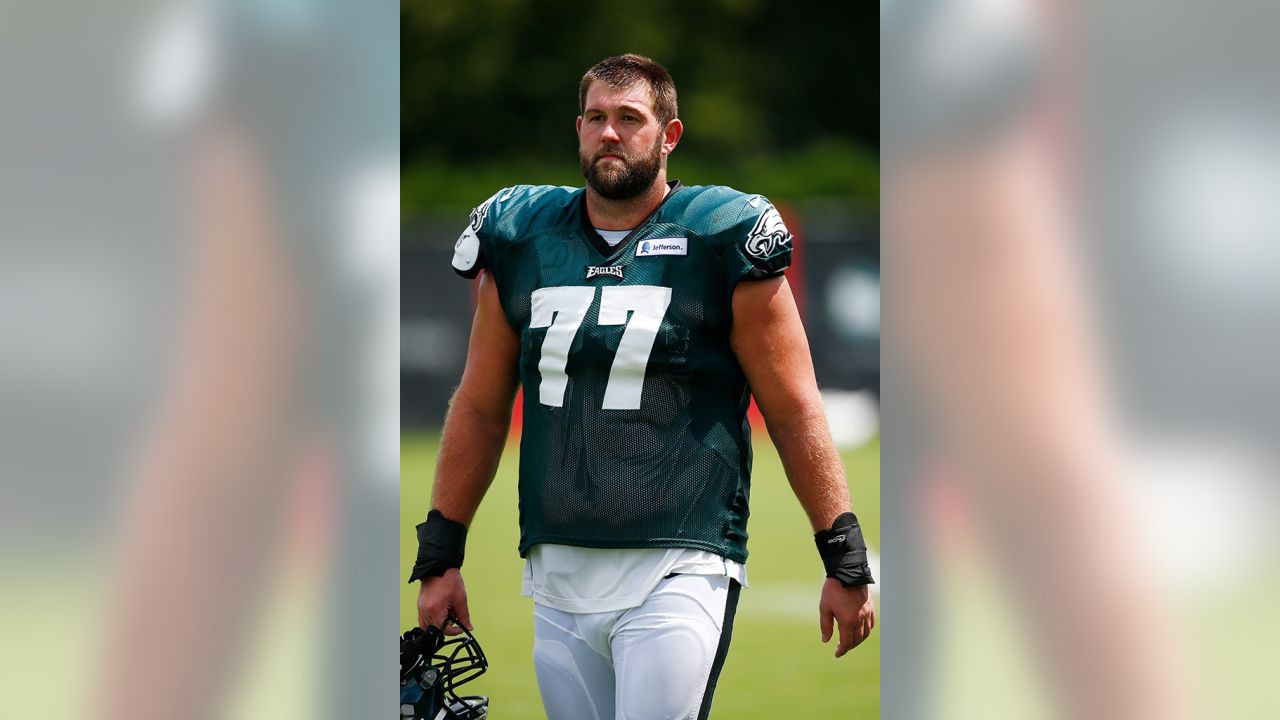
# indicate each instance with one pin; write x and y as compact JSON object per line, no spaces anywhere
{"x":844,"y":552}
{"x":441,"y":543}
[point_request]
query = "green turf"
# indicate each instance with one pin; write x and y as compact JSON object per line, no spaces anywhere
{"x":777,"y":666}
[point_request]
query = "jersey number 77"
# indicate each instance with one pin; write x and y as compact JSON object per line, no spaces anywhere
{"x":562,"y":309}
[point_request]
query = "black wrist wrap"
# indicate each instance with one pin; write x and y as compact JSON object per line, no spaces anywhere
{"x":844,"y":552}
{"x":441,"y":542}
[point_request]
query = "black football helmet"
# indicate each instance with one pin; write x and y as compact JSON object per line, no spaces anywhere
{"x":432,"y":667}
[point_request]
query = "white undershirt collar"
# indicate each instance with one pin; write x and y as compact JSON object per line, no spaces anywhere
{"x":613,"y":237}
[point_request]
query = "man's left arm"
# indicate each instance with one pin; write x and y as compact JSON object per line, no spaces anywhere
{"x":771,"y":346}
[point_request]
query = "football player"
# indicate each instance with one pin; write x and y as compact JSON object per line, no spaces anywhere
{"x":640,"y":316}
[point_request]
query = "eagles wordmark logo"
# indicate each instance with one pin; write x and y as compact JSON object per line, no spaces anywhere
{"x":613,"y":270}
{"x":768,"y":234}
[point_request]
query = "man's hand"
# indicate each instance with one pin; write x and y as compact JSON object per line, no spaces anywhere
{"x":440,"y":597}
{"x":851,"y":608}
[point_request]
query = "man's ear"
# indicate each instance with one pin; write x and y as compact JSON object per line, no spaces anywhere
{"x":671,"y":135}
{"x":577,"y":126}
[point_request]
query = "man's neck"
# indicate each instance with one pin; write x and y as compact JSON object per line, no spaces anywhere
{"x":606,"y":214}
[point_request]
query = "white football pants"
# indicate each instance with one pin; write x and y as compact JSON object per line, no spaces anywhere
{"x":660,"y":660}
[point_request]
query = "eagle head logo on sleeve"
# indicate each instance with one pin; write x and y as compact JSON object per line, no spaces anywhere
{"x":768,"y":234}
{"x":479,"y":213}
{"x":467,"y":249}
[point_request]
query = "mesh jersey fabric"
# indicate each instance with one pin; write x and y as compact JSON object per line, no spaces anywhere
{"x":635,"y":431}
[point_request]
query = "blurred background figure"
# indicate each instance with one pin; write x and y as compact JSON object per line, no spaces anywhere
{"x":777,"y":101}
{"x":200,"y":209}
{"x":1079,"y":403}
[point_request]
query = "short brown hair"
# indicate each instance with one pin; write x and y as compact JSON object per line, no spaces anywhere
{"x":623,"y":71}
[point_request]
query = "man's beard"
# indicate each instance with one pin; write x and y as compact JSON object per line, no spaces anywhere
{"x":625,"y":179}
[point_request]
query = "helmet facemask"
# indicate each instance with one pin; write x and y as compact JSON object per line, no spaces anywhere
{"x":432,"y":668}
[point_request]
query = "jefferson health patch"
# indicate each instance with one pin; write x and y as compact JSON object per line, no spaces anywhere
{"x":663,"y":246}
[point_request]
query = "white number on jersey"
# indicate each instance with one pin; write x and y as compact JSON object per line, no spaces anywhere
{"x":562,"y":309}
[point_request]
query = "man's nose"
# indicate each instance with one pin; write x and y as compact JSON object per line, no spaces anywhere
{"x":610,"y":134}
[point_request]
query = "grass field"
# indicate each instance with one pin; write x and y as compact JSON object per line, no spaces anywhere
{"x":777,"y":666}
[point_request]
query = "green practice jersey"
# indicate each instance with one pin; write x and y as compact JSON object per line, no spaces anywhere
{"x":635,"y":429}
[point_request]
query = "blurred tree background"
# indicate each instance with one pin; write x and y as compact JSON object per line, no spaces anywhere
{"x":777,"y":98}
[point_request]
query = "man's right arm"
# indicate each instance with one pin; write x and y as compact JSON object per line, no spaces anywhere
{"x":475,"y":431}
